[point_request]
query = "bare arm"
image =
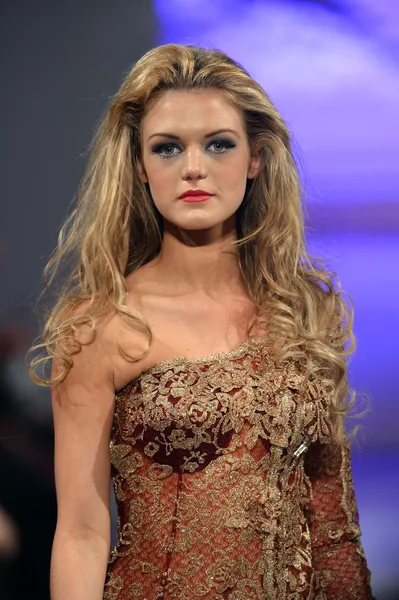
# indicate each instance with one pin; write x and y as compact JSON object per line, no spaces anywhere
{"x":83,"y":407}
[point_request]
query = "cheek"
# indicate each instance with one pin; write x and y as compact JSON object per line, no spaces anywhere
{"x":160,"y":177}
{"x":233,"y":175}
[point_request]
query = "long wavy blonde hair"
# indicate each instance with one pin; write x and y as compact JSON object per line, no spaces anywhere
{"x":115,"y":228}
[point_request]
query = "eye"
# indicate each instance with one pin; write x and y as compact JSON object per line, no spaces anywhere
{"x":221,"y":146}
{"x":166,"y":150}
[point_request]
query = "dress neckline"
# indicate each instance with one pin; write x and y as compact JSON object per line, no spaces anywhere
{"x":178,"y":359}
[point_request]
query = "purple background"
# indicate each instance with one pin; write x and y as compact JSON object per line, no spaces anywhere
{"x":331,"y":68}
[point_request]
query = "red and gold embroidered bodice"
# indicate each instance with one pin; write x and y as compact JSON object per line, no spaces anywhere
{"x":228,"y":487}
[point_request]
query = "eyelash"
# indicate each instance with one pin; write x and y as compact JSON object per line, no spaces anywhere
{"x":158,"y":149}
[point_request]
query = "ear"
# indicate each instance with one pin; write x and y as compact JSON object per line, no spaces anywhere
{"x":254,"y":165}
{"x":142,"y":174}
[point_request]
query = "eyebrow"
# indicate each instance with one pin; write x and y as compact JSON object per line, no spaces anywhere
{"x":208,"y":135}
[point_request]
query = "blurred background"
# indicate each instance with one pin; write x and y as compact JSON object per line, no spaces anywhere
{"x":331,"y":68}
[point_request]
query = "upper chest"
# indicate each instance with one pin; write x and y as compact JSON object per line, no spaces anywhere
{"x":191,"y":327}
{"x":196,"y":325}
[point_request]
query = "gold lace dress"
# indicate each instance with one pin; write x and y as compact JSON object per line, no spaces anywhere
{"x":228,"y":488}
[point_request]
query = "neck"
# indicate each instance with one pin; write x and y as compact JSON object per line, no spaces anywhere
{"x":199,"y":262}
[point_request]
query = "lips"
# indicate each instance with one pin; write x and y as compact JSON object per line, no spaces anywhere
{"x":199,"y":194}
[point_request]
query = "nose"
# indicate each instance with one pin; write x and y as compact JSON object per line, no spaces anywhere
{"x":193,"y":167}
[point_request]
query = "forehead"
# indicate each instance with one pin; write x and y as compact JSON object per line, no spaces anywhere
{"x":192,"y":110}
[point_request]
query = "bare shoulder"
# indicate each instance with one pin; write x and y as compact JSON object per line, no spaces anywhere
{"x":103,"y":352}
{"x":88,"y":349}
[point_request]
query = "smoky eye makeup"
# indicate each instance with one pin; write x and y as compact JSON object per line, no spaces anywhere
{"x":170,"y":149}
{"x":166,"y":150}
{"x":161,"y":147}
{"x":223,"y":143}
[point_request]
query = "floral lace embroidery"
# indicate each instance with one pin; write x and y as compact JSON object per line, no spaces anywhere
{"x":214,"y":500}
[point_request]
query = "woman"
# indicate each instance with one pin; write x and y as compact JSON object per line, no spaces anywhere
{"x":198,"y":352}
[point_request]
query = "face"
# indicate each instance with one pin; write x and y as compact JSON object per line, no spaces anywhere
{"x":196,"y":140}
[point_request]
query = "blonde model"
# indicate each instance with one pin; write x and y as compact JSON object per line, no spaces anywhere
{"x":198,"y":356}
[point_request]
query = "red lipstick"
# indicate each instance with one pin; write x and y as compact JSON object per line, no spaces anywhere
{"x":195,"y":196}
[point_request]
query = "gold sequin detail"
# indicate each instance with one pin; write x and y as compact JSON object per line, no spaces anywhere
{"x":228,"y":487}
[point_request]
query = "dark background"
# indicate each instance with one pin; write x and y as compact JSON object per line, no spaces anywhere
{"x":60,"y":64}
